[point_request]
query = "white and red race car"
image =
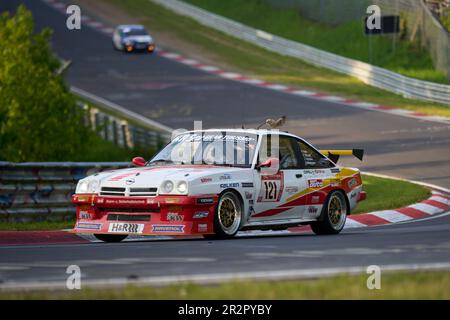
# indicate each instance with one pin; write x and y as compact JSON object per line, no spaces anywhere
{"x":218,"y":182}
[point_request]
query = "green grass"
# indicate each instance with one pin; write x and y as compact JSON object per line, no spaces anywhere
{"x":398,"y":285}
{"x":382,"y":194}
{"x":233,"y":54}
{"x":36,"y":226}
{"x":347,"y":39}
{"x":101,"y":150}
{"x":385,"y":194}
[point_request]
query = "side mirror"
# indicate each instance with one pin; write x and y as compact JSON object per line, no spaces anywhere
{"x":138,"y":161}
{"x":269,"y":163}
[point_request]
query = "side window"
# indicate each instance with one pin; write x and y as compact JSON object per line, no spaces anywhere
{"x":287,"y":154}
{"x":312,"y":158}
{"x":287,"y":151}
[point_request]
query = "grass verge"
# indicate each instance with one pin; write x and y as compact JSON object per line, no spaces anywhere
{"x":347,"y":39}
{"x":398,"y":285}
{"x":36,"y":226}
{"x":383,"y":194}
{"x":240,"y":56}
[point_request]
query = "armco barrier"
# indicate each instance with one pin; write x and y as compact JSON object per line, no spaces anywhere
{"x":369,"y":74}
{"x":41,"y":191}
{"x":121,"y":132}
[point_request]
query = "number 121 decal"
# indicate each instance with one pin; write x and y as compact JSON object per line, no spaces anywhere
{"x":271,"y":188}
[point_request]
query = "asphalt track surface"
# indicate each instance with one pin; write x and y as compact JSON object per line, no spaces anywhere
{"x":176,"y":95}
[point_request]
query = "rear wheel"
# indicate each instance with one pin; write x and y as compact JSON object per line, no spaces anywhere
{"x":228,"y":216}
{"x":333,"y":216}
{"x":110,"y":237}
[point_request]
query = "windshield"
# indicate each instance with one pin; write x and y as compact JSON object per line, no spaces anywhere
{"x":209,"y":148}
{"x":134,"y":32}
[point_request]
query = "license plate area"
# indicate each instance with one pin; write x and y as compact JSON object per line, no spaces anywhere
{"x":123,"y":227}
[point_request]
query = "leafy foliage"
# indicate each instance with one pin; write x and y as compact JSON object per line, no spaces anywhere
{"x":38,"y":117}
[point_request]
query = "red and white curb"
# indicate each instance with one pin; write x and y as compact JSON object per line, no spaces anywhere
{"x":100,"y":26}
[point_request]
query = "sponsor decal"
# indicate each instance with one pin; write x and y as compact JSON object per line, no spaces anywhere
{"x":248,"y":195}
{"x":175,"y":208}
{"x":174,"y":216}
{"x":83,"y":198}
{"x":168,"y":228}
{"x":247,"y":184}
{"x":312,"y":209}
{"x":120,"y":227}
{"x":205,"y":180}
{"x":291,"y":189}
{"x":225,"y":176}
{"x":352,"y":183}
{"x":172,"y":200}
{"x":200,"y":215}
{"x":271,"y":187}
{"x":205,"y":200}
{"x":251,"y":202}
{"x":213,"y":137}
{"x":84,"y":215}
{"x":202,"y":227}
{"x":151,"y":201}
{"x":335,"y":170}
{"x":129,"y":181}
{"x":100,"y":200}
{"x":229,"y":185}
{"x":352,"y":195}
{"x":89,"y":226}
{"x":314,"y":171}
{"x":315,"y":199}
{"x":125,"y":201}
{"x":315,"y":183}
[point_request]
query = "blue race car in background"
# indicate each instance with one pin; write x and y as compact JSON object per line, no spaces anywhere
{"x":130,"y":38}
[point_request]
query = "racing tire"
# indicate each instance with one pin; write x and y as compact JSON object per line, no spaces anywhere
{"x":228,"y":216}
{"x":333,"y":216}
{"x":110,"y":237}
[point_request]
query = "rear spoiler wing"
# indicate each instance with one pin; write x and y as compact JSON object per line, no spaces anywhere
{"x":333,"y":155}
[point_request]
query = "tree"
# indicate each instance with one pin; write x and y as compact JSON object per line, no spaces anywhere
{"x":39,"y":119}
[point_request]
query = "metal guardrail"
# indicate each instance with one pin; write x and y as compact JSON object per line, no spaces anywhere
{"x":369,"y":74}
{"x":41,"y":191}
{"x":121,"y":132}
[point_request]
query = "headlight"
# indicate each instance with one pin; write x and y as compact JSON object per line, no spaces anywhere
{"x":182,"y":187}
{"x":92,"y":186}
{"x":167,"y":186}
{"x":82,"y":187}
{"x":87,"y":186}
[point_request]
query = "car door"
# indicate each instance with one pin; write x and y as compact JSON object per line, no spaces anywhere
{"x":319,"y":175}
{"x":277,"y":190}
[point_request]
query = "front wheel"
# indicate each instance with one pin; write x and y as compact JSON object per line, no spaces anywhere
{"x":228,"y":216}
{"x":110,"y":237}
{"x":333,"y":216}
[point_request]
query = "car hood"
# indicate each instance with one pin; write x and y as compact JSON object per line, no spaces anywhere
{"x":154,"y":176}
{"x":138,"y":39}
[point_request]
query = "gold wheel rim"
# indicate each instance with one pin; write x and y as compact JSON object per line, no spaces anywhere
{"x":335,"y":210}
{"x":227,"y":212}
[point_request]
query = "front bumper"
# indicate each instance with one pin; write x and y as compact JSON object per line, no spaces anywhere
{"x":149,"y":47}
{"x":160,"y":215}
